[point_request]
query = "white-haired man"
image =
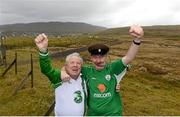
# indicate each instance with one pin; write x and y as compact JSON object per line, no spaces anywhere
{"x":69,"y":96}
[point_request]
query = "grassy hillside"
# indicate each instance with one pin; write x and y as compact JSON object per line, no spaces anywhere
{"x":151,"y":87}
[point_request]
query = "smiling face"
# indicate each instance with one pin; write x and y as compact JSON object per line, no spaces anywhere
{"x":99,"y":61}
{"x":73,"y":66}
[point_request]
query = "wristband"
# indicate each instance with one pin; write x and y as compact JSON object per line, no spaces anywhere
{"x":43,"y":51}
{"x":136,"y":43}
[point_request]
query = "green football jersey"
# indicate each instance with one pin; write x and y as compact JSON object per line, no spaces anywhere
{"x":102,"y":96}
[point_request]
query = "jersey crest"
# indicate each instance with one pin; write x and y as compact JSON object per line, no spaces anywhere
{"x":108,"y":77}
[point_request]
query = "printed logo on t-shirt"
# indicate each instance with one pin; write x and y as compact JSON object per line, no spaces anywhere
{"x":108,"y":77}
{"x":101,"y":88}
{"x":78,"y":96}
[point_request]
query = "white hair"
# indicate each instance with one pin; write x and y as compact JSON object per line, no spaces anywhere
{"x":74,"y":54}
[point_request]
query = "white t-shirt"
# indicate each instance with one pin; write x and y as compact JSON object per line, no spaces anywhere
{"x":69,"y":98}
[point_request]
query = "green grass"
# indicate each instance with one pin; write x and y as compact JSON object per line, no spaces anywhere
{"x":151,"y":87}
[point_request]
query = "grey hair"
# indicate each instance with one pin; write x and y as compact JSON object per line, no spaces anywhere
{"x":74,"y":54}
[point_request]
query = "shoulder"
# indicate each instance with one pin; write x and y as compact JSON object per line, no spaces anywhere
{"x":116,"y":66}
{"x":87,"y":67}
{"x":118,"y":62}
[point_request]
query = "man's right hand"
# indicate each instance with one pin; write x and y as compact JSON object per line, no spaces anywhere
{"x":42,"y":42}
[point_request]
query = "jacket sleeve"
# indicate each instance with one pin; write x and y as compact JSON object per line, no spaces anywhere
{"x":117,"y":66}
{"x":47,"y":69}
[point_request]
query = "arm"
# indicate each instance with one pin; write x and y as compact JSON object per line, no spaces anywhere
{"x":45,"y":61}
{"x":47,"y":69}
{"x":137,"y":32}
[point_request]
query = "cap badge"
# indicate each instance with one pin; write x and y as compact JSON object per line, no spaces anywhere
{"x":99,"y":50}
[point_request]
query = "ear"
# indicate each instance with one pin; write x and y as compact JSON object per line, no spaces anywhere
{"x":65,"y":67}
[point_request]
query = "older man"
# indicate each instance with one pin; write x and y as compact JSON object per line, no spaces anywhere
{"x":102,"y":77}
{"x":69,"y":96}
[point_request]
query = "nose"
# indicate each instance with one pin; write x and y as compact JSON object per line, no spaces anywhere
{"x":98,"y":60}
{"x":76,"y":64}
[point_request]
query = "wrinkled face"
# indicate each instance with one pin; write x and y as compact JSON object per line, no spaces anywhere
{"x":73,"y":67}
{"x":99,"y":61}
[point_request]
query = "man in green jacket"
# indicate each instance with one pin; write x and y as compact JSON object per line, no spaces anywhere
{"x":69,"y":96}
{"x":102,"y":77}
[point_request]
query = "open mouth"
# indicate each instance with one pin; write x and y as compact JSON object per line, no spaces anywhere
{"x":75,"y":70}
{"x":100,"y":65}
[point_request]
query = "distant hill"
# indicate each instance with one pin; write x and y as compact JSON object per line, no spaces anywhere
{"x":51,"y":27}
{"x":150,"y":31}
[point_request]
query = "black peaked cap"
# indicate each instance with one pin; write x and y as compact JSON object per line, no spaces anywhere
{"x":98,"y":49}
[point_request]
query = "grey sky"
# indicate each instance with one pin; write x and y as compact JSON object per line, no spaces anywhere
{"x":108,"y":13}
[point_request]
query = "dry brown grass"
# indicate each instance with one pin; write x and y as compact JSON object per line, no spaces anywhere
{"x":151,"y":87}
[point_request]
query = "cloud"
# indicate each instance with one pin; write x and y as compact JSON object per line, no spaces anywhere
{"x":109,"y":13}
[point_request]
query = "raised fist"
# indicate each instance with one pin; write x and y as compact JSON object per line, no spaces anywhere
{"x":41,"y":42}
{"x":136,"y":31}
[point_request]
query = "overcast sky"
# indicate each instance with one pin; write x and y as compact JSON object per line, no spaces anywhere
{"x":107,"y":13}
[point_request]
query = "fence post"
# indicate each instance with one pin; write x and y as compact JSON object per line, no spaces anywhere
{"x":15,"y":62}
{"x":4,"y":58}
{"x":25,"y":79}
{"x":9,"y":67}
{"x":32,"y":78}
{"x":2,"y":51}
